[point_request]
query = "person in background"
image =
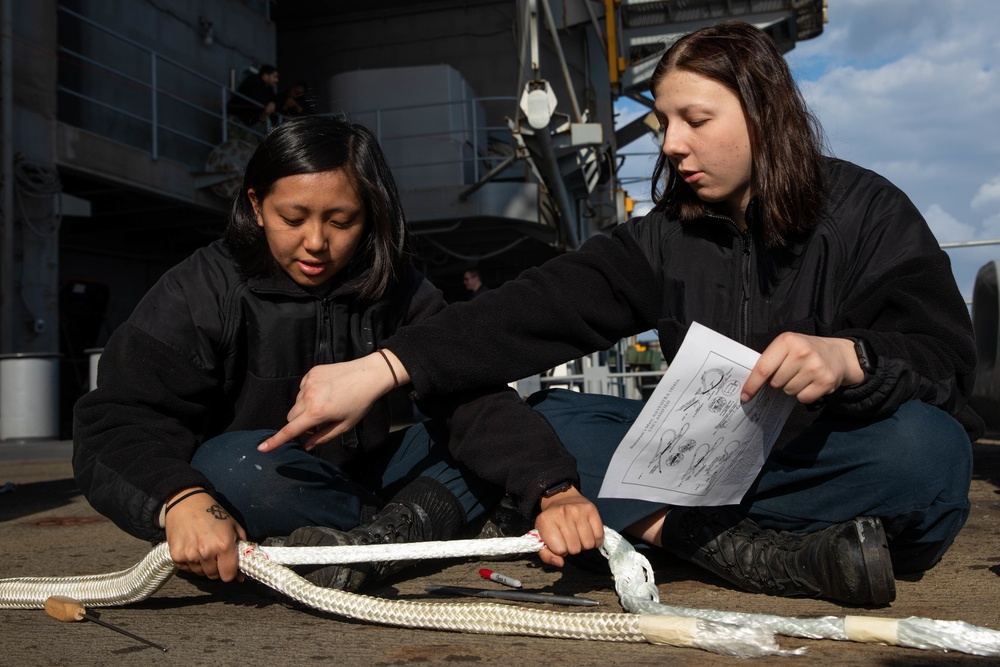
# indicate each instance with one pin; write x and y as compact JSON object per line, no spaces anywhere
{"x":295,"y":101}
{"x":822,"y":266}
{"x":474,"y":283}
{"x":256,"y":98}
{"x":314,"y":268}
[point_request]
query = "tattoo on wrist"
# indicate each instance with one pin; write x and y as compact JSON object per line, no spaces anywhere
{"x":218,"y":512}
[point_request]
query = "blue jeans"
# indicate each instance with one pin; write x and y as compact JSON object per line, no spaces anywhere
{"x":274,"y":493}
{"x":912,"y":469}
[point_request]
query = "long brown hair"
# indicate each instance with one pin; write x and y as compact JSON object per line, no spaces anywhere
{"x":785,"y":138}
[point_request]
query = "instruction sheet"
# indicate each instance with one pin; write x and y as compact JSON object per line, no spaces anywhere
{"x":694,"y":442}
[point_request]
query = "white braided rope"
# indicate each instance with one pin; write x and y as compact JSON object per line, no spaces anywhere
{"x":100,"y":590}
{"x":497,"y":619}
{"x":142,"y":580}
{"x":148,"y":575}
{"x":732,"y":633}
{"x":367,"y":553}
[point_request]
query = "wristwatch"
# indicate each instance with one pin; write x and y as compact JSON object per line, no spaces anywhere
{"x":866,"y":358}
{"x":557,"y":488}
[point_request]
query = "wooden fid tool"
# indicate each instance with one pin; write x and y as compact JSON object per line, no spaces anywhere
{"x":67,"y":609}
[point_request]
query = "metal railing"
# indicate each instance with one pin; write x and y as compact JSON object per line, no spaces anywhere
{"x":605,"y":372}
{"x":115,"y":86}
{"x":118,"y":87}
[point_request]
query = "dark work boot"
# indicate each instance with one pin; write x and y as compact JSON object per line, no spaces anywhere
{"x":503,"y":520}
{"x":403,"y":520}
{"x":346,"y":577}
{"x":847,"y":562}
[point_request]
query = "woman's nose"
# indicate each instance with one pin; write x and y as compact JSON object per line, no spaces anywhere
{"x":315,"y":237}
{"x":673,"y":142}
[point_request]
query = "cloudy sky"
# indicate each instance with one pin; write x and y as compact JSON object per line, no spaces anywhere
{"x":910,"y":89}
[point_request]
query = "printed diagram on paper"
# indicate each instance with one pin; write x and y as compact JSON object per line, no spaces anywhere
{"x":694,"y":443}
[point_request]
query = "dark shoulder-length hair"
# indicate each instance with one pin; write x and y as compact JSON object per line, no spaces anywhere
{"x":785,"y":138}
{"x":314,"y":144}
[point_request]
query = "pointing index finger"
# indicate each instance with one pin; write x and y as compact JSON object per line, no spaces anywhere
{"x":288,"y":432}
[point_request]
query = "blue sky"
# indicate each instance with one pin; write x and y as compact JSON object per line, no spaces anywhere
{"x":910,"y":89}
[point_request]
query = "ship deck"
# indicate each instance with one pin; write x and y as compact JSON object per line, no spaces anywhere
{"x":47,"y":528}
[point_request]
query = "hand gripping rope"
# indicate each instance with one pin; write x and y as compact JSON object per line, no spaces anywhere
{"x":728,"y":633}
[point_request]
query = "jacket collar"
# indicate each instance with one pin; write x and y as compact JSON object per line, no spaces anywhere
{"x":277,"y":281}
{"x":752,"y":215}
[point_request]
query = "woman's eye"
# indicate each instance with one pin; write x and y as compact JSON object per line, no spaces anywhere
{"x":292,"y":221}
{"x":697,"y":123}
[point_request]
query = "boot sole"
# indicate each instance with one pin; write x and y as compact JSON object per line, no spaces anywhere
{"x":878,"y":564}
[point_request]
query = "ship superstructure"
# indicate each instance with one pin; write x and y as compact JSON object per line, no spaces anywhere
{"x":498,"y":118}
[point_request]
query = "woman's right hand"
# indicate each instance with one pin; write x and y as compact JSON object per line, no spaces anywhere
{"x":334,"y":397}
{"x":803,"y":366}
{"x":202,"y":537}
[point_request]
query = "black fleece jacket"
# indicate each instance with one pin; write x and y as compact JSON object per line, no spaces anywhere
{"x":870,"y":268}
{"x":208,"y":351}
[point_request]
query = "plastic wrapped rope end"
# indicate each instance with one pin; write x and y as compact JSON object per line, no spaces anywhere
{"x":722,"y":638}
{"x":926,"y":633}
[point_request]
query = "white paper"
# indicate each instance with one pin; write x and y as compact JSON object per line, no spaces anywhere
{"x":694,"y":443}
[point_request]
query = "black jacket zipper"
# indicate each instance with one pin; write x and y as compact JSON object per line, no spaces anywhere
{"x":747,"y":239}
{"x":324,"y":352}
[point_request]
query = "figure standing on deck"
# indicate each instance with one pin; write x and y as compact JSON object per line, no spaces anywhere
{"x":473,"y":283}
{"x":314,"y":268}
{"x":256,"y":97}
{"x":823,"y":266}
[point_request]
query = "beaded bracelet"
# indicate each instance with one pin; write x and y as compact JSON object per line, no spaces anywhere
{"x":184,"y":497}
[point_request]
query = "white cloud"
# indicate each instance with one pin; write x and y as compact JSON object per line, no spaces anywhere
{"x":945,"y":226}
{"x":869,"y":33}
{"x":989,"y":193}
{"x":912,"y":91}
{"x":992,"y":227}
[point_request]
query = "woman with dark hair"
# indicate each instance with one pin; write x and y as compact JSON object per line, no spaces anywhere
{"x":824,"y":267}
{"x":314,"y":269}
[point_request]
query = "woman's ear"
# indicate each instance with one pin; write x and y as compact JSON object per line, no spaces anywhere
{"x":255,"y":205}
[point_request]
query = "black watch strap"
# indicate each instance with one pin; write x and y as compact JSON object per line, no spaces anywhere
{"x":866,"y":358}
{"x":557,"y":488}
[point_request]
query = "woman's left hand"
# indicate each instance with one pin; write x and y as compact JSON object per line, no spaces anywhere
{"x":202,"y":537}
{"x":568,"y":524}
{"x":806,"y":367}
